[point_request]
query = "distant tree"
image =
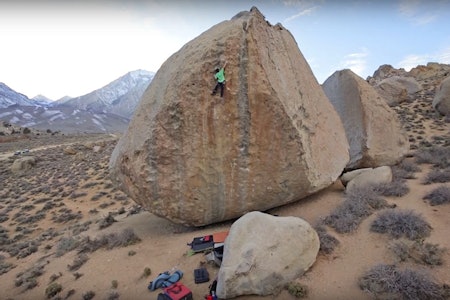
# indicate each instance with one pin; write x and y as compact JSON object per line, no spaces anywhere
{"x":26,"y":130}
{"x":49,"y":131}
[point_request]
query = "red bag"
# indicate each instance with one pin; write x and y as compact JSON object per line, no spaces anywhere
{"x":178,"y":291}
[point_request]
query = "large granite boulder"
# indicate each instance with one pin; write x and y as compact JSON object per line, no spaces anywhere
{"x":263,"y":253}
{"x":273,"y":138}
{"x":397,"y":89}
{"x":441,"y":101}
{"x":373,"y":130}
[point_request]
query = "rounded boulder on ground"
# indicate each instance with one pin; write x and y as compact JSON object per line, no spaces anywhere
{"x":263,"y":253}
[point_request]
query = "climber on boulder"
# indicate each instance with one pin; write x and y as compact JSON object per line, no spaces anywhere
{"x":220,"y":78}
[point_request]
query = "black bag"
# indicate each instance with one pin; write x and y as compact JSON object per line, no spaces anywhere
{"x":162,"y":296}
{"x":203,"y":243}
{"x":201,"y":275}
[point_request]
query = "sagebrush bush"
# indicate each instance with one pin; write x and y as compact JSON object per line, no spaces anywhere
{"x":437,"y":176}
{"x":423,"y":253}
{"x":389,"y":282}
{"x":109,"y":241}
{"x":327,"y":242}
{"x":438,"y":196}
{"x":65,"y":245}
{"x":438,"y":156}
{"x":78,"y":261}
{"x":298,"y":290}
{"x":401,"y":223}
{"x":359,"y":203}
{"x":395,"y":189}
{"x":53,"y":289}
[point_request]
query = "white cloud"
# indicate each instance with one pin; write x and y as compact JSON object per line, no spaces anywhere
{"x":357,"y":62}
{"x":304,"y":12}
{"x":305,"y":8}
{"x":419,"y":12}
{"x":413,"y":60}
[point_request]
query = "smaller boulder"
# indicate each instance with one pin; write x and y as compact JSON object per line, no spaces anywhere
{"x":441,"y":101}
{"x":263,"y":253}
{"x":23,"y":164}
{"x":70,"y":150}
{"x":348,"y":176}
{"x":369,"y":177}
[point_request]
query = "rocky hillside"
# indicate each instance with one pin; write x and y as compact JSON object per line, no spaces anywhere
{"x":10,"y":97}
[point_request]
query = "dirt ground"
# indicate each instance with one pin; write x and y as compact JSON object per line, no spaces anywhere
{"x":68,"y":194}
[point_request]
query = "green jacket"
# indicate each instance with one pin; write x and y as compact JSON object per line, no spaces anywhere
{"x":220,"y":76}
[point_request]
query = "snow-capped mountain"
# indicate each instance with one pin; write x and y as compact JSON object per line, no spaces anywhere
{"x":107,"y":109}
{"x":10,"y":97}
{"x":42,"y":100}
{"x":63,"y":118}
{"x":119,"y":97}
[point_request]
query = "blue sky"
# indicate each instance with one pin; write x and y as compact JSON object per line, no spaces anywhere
{"x":60,"y":47}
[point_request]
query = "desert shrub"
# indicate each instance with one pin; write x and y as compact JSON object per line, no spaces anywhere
{"x":77,"y":275}
{"x":147,"y":272}
{"x":76,"y":194}
{"x":70,"y":293}
{"x":4,"y":218}
{"x":31,"y":247}
{"x":113,"y":295}
{"x":358,"y":205}
{"x":78,"y":261}
{"x":327,"y":242}
{"x":79,"y":228}
{"x":53,"y":289}
{"x":405,"y":170}
{"x":389,"y":282}
{"x":89,"y":184}
{"x":437,"y":176}
{"x":396,"y":188}
{"x":106,"y":221}
{"x":88,"y":295}
{"x":297,"y":290}
{"x":65,"y":215}
{"x":114,"y":284}
{"x":27,"y":279}
{"x":5,"y":267}
{"x":438,"y":156}
{"x":65,"y":245}
{"x":399,"y":223}
{"x":53,"y":277}
{"x":438,"y":196}
{"x":109,"y":241}
{"x":423,"y":253}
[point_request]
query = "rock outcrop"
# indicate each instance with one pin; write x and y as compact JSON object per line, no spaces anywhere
{"x":272,"y":139}
{"x":397,"y":89}
{"x":441,"y":101}
{"x":23,"y":164}
{"x":373,"y":130}
{"x":263,"y":253}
